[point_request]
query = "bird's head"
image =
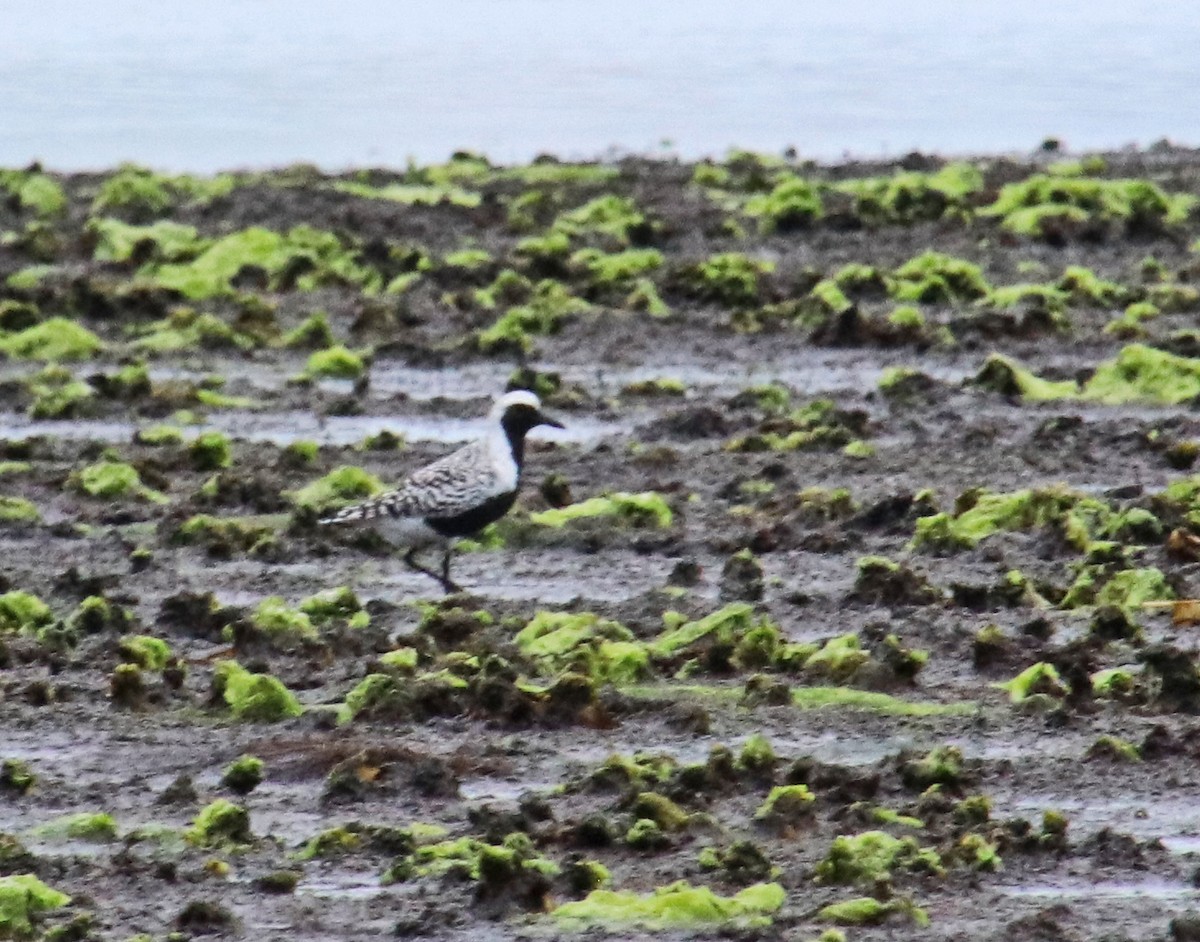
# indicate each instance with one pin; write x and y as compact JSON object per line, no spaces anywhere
{"x":519,"y":411}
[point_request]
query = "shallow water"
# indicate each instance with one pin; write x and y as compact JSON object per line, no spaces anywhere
{"x":227,"y":84}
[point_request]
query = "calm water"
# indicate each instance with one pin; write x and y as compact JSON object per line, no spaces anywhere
{"x":207,"y":84}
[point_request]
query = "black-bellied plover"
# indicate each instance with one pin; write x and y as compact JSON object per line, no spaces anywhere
{"x":458,"y":495}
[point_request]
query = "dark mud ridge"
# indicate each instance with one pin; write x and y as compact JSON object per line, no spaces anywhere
{"x":853,"y":600}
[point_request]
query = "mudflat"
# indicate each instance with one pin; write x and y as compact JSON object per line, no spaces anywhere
{"x":853,"y":598}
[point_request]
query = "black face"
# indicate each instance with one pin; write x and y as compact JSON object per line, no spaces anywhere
{"x":520,"y":418}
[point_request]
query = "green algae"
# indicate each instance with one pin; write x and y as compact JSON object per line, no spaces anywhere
{"x":1004,"y":375}
{"x":341,"y":486}
{"x":793,"y":203}
{"x":319,"y":258}
{"x":1112,"y":747}
{"x":942,"y":765}
{"x":313,"y":333}
{"x":1040,"y":678}
{"x":1082,"y":520}
{"x":599,"y":648}
{"x":329,"y":605}
{"x":35,"y":191}
{"x":254,"y":697}
{"x":872,"y":856}
{"x":1025,"y":207}
{"x":54,"y":340}
{"x":723,"y":625}
{"x":146,"y":194}
{"x":412,"y":194}
{"x":786,"y":803}
{"x":108,"y":479}
{"x":933,"y":277}
{"x":274,"y":618}
{"x":223,"y":536}
{"x":16,"y":776}
{"x":210,"y":451}
{"x":546,"y":311}
{"x":841,"y":657}
{"x":1145,"y":374}
{"x":243,"y":774}
{"x":676,"y":906}
{"x":335,"y":362}
{"x":220,"y":823}
{"x":868,"y":911}
{"x":18,"y":510}
{"x":146,"y":651}
{"x":59,"y":395}
{"x":729,"y":278}
{"x":163,"y":241}
{"x":757,"y":756}
{"x":472,"y":858}
{"x":1128,"y":589}
{"x":909,"y":196}
{"x":186,"y":329}
{"x":1113,"y":683}
{"x":97,"y":827}
{"x":606,"y":269}
{"x":661,"y":810}
{"x":24,"y":898}
{"x":844,"y":697}
{"x":23,"y":612}
{"x":647,"y":509}
{"x":614,"y":217}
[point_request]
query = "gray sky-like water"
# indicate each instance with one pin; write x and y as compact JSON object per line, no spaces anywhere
{"x":201,"y":86}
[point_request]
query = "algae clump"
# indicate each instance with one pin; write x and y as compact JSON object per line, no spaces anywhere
{"x":725,"y":625}
{"x":220,"y":823}
{"x":23,"y":897}
{"x":23,"y":612}
{"x":868,"y":911}
{"x":52,"y":340}
{"x":146,"y":651}
{"x":599,"y":648}
{"x":114,"y":479}
{"x":676,"y":906}
{"x":874,"y":855}
{"x":1040,"y":678}
{"x":18,"y":510}
{"x":335,"y":362}
{"x":645,"y":509}
{"x":341,"y":486}
{"x":254,"y":697}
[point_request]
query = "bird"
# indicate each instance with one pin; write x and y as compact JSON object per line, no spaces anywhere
{"x":457,"y":495}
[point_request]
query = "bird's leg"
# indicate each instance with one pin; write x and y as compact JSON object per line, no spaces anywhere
{"x":410,"y":560}
{"x":447,"y":583}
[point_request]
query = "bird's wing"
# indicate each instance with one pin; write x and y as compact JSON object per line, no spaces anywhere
{"x":447,"y":487}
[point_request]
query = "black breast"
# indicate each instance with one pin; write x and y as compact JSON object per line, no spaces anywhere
{"x":474,"y":520}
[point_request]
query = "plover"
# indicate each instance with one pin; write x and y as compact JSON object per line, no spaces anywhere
{"x":458,"y":495}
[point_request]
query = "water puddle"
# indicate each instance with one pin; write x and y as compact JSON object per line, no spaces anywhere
{"x":1104,"y":890}
{"x":283,"y":428}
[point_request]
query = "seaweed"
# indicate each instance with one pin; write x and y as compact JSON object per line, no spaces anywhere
{"x":18,"y":511}
{"x":548,"y":307}
{"x":602,"y":649}
{"x":23,"y":899}
{"x":146,"y":651}
{"x":647,"y":509}
{"x":254,"y":697}
{"x":335,"y":362}
{"x":243,"y":775}
{"x":53,"y":340}
{"x":730,"y":278}
{"x":108,"y":479}
{"x":341,"y":486}
{"x":933,"y":277}
{"x":792,"y":204}
{"x":676,"y":906}
{"x":220,"y":823}
{"x":874,"y":856}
